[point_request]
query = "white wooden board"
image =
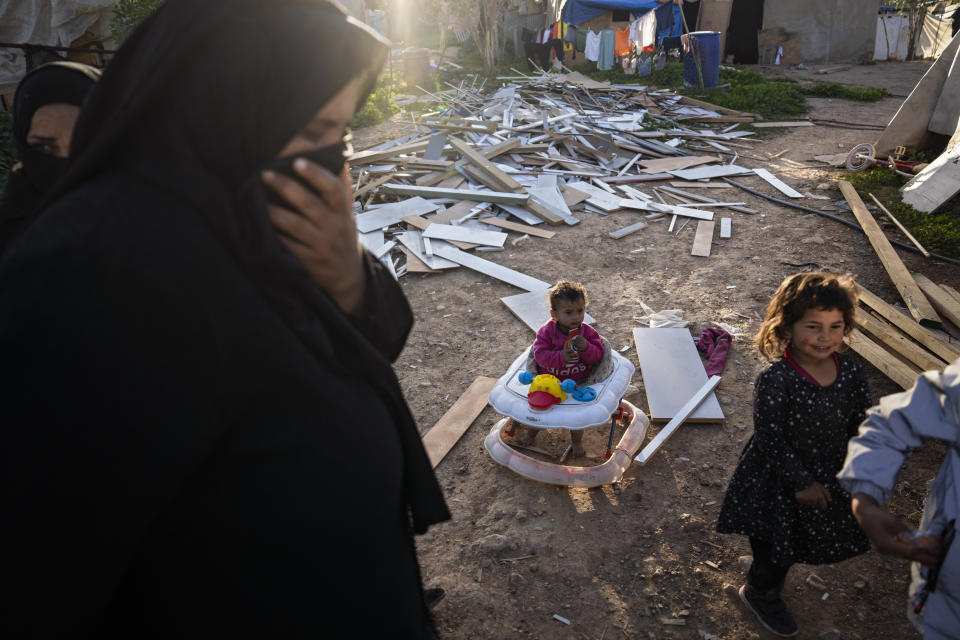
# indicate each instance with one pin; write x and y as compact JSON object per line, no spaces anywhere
{"x":725,"y":224}
{"x":491,"y":269}
{"x":672,"y":373}
{"x":465,"y":234}
{"x":413,"y":242}
{"x":392,"y":213}
{"x":533,"y":309}
{"x":936,"y":183}
{"x":784,"y":188}
{"x":715,"y":171}
{"x":598,"y":197}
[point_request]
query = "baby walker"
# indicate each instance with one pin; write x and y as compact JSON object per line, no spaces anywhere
{"x":544,"y":402}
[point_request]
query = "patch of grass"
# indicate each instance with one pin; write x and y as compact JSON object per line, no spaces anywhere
{"x":670,"y":76}
{"x":862,"y":94}
{"x":939,"y":231}
{"x":772,"y":100}
{"x":378,"y":107}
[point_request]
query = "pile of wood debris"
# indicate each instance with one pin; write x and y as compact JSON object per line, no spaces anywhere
{"x":543,"y":149}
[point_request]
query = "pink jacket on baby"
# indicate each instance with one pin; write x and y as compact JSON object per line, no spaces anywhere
{"x":548,"y":352}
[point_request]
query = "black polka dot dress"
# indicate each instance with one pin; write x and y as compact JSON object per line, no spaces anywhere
{"x":800,"y":435}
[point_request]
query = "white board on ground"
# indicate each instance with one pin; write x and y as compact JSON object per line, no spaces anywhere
{"x":393,"y":213}
{"x":644,"y":456}
{"x":413,"y":242}
{"x":713,"y":171}
{"x":491,"y":269}
{"x":465,"y":234}
{"x":935,"y":184}
{"x":672,"y":373}
{"x":533,"y":309}
{"x":782,"y":186}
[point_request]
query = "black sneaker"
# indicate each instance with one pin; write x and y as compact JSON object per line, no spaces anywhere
{"x":771,"y":611}
{"x":433,"y":596}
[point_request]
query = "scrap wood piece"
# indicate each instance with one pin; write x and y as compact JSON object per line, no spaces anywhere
{"x":492,"y":269}
{"x":942,"y":301}
{"x":699,"y":198}
{"x":455,"y":422}
{"x":699,"y":185}
{"x":951,"y":291}
{"x":672,"y":372}
{"x":422,"y":223}
{"x":917,"y":304}
{"x":519,"y":228}
{"x":782,"y":186}
{"x":500,"y":180}
{"x":685,"y":411}
{"x":598,"y":197}
{"x":712,"y":107}
{"x":455,"y":233}
{"x":573,"y":196}
{"x":412,"y":241}
{"x":699,"y":214}
{"x":793,"y":123}
{"x":372,"y":156}
{"x":372,"y":184}
{"x":942,"y":349}
{"x":890,"y":365}
{"x":497,"y":197}
{"x":713,"y":171}
{"x":546,"y":214}
{"x":935,"y":184}
{"x":895,"y":340}
{"x":903,"y":229}
{"x":725,"y":224}
{"x":392,"y":213}
{"x":703,"y":239}
{"x":662,"y":165}
{"x":528,"y":217}
{"x":415,"y":264}
{"x":533,"y":309}
{"x":625,"y":231}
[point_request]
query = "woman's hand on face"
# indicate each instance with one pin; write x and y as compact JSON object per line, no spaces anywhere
{"x":320,"y":230}
{"x":816,"y":495}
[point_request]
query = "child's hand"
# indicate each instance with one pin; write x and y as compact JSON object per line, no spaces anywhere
{"x":816,"y":495}
{"x":569,"y":354}
{"x":580,"y":343}
{"x":885,"y":530}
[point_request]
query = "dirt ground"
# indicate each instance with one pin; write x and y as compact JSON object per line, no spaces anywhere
{"x":626,"y":561}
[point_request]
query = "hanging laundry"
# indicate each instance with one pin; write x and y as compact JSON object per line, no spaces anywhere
{"x":581,"y":42}
{"x":607,"y":44}
{"x":622,"y":42}
{"x":647,"y":30}
{"x":664,"y":15}
{"x":592,"y":46}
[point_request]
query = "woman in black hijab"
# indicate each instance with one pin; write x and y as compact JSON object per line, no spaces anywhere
{"x":45,"y":109}
{"x":202,"y":435}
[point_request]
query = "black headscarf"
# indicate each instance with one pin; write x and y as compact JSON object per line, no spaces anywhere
{"x":197,"y":101}
{"x":53,"y":83}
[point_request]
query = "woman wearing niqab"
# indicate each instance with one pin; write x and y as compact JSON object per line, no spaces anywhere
{"x":199,"y":440}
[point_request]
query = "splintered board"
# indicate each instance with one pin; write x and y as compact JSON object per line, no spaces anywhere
{"x":534,"y":309}
{"x":703,"y":239}
{"x":672,"y":373}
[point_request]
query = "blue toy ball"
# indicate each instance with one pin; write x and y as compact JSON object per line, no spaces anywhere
{"x":525,"y":377}
{"x":568,"y":385}
{"x":584,"y":394}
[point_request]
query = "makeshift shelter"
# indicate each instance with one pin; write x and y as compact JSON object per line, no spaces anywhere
{"x":820,"y":31}
{"x":597,"y":15}
{"x":933,"y":36}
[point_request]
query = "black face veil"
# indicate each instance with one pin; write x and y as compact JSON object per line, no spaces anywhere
{"x":197,"y":101}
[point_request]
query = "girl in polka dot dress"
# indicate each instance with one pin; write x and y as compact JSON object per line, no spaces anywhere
{"x":807,"y":404}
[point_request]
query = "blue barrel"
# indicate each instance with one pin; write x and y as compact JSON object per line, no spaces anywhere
{"x":705,"y":47}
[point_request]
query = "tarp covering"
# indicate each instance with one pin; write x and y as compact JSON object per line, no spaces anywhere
{"x":932,"y":106}
{"x":830,"y":30}
{"x":579,"y":11}
{"x":893,"y":35}
{"x":49,"y":22}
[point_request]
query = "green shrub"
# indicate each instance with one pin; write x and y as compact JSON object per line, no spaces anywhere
{"x":772,"y":100}
{"x":863,"y":94}
{"x":378,"y":106}
{"x":127,"y":14}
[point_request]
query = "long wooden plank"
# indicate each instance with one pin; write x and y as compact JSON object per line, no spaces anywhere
{"x":625,"y":231}
{"x":782,"y":186}
{"x":890,"y":365}
{"x":668,"y":430}
{"x":906,"y":324}
{"x":903,"y":229}
{"x":518,"y":227}
{"x":421,"y":223}
{"x":392,"y":213}
{"x":951,"y":291}
{"x":661,"y":165}
{"x":942,"y":301}
{"x":913,"y":297}
{"x":455,"y":422}
{"x":898,"y":342}
{"x":797,"y":123}
{"x":492,"y":269}
{"x":547,"y":215}
{"x":519,"y":199}
{"x":672,"y":373}
{"x":699,"y":198}
{"x":700,"y":185}
{"x":703,"y":239}
{"x":370,"y":157}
